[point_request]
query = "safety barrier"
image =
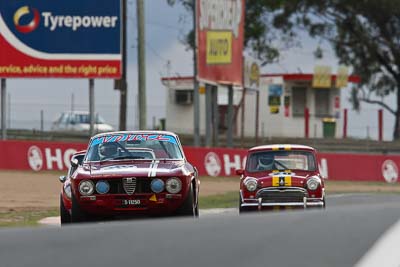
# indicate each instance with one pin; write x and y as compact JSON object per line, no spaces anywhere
{"x":40,"y":156}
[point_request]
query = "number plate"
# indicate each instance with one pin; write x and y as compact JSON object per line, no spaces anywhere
{"x":131,"y":202}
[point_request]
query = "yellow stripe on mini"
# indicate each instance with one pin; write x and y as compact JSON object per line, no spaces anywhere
{"x":281,"y":180}
{"x":288,"y":180}
{"x":287,"y":148}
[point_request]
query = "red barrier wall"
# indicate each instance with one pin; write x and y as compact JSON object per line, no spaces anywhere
{"x":37,"y":156}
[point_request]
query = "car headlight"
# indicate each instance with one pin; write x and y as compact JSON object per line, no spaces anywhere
{"x":173,"y":185}
{"x":86,"y":187}
{"x":102,"y":187}
{"x":67,"y":190}
{"x":157,"y":185}
{"x":251,"y":184}
{"x":313,"y":183}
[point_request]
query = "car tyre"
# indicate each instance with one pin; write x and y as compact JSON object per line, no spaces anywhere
{"x":189,"y":207}
{"x":241,"y":209}
{"x":64,"y":213}
{"x":77,"y":215}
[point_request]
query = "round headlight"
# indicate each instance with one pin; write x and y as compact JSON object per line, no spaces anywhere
{"x":157,"y":185}
{"x":173,"y":185}
{"x":67,"y":190}
{"x":86,"y":187}
{"x":313,"y":183}
{"x":251,"y":185}
{"x":102,"y":187}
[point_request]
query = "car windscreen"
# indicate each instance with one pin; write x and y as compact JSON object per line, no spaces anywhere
{"x":281,"y":160}
{"x":134,"y":146}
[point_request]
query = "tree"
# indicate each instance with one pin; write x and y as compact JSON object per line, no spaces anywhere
{"x":364,"y":34}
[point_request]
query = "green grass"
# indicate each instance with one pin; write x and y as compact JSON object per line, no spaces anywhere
{"x":227,"y":200}
{"x":29,"y":218}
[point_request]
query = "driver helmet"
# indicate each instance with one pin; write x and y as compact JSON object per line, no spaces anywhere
{"x":265,"y":162}
{"x":108,"y":150}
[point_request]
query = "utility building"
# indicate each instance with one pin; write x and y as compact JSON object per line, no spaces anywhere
{"x":288,"y":106}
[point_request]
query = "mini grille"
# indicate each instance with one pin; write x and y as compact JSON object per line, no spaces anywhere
{"x":284,"y":196}
{"x":129,"y":185}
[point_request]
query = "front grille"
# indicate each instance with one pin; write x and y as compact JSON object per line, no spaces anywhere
{"x":282,"y":195}
{"x":117,"y":186}
{"x":129,"y":185}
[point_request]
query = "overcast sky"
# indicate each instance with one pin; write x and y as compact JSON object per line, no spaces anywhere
{"x":165,"y":27}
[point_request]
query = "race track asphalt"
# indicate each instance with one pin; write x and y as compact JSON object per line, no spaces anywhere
{"x":337,"y":236}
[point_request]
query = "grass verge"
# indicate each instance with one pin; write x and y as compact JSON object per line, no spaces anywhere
{"x":25,"y":218}
{"x":226,"y":200}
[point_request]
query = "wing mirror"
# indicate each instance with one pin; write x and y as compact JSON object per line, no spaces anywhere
{"x":62,"y":178}
{"x":74,"y":162}
{"x":239,"y":171}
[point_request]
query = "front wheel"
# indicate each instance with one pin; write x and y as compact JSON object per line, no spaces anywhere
{"x":189,"y":207}
{"x":77,"y":215}
{"x":64,"y":213}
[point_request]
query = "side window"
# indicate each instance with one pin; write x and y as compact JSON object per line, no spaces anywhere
{"x":80,"y":160}
{"x":64,"y":119}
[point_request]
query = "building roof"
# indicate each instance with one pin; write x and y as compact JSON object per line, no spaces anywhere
{"x":286,"y":77}
{"x":308,"y":77}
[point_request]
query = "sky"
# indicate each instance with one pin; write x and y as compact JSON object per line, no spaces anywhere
{"x":165,"y":55}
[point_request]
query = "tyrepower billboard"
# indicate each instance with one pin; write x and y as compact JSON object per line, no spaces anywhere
{"x":220,"y":31}
{"x":60,"y":39}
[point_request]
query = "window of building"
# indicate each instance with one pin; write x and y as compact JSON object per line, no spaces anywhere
{"x":299,"y":101}
{"x":322,"y":107}
{"x":183,"y":97}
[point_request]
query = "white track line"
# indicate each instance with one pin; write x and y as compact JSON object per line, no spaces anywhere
{"x":55,"y":221}
{"x":385,"y":252}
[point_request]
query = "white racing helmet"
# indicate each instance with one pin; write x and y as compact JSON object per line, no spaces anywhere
{"x":108,"y":150}
{"x":265,"y":162}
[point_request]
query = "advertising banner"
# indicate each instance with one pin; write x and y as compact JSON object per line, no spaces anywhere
{"x":342,"y":77}
{"x":322,"y":77}
{"x":220,"y":40}
{"x":50,"y":156}
{"x":251,"y":74}
{"x":60,"y":39}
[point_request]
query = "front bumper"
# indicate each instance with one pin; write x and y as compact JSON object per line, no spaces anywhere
{"x":259,"y":203}
{"x":112,"y":205}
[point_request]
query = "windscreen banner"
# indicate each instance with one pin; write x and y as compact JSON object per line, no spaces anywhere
{"x":220,"y":41}
{"x":60,"y":39}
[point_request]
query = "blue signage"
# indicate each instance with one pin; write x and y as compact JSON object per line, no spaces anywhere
{"x":90,"y":27}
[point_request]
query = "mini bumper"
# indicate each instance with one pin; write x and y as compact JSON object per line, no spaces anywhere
{"x":307,"y":202}
{"x":259,"y":203}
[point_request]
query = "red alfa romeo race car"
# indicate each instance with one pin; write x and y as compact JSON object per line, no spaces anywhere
{"x":125,"y":174}
{"x":281,"y":176}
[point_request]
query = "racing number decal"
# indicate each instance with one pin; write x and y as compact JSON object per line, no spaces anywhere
{"x":281,"y":181}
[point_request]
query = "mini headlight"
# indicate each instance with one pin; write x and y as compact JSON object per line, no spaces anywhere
{"x":67,"y":190}
{"x":157,"y":185}
{"x":251,"y":184}
{"x":313,"y":183}
{"x":86,"y":187}
{"x":173,"y":185}
{"x":102,"y":187}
